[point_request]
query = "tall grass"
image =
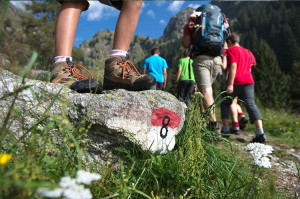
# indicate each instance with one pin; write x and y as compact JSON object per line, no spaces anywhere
{"x":198,"y":167}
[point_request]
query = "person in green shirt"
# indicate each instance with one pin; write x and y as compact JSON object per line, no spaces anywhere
{"x":185,"y":81}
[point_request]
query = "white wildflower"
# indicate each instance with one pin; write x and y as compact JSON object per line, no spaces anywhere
{"x":86,"y":177}
{"x":49,"y":193}
{"x":259,"y":152}
{"x":77,"y":192}
{"x":67,"y":181}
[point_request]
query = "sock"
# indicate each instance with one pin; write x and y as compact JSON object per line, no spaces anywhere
{"x":235,"y":124}
{"x":116,"y":52}
{"x":259,"y":131}
{"x":62,"y":58}
{"x":241,"y":115}
{"x":225,"y":128}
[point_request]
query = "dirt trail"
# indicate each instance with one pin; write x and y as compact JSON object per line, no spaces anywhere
{"x":284,"y":168}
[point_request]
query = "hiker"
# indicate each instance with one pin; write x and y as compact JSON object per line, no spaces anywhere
{"x":157,"y":66}
{"x":119,"y":72}
{"x":238,"y":118}
{"x":185,"y":80}
{"x":240,"y":84}
{"x":207,"y":64}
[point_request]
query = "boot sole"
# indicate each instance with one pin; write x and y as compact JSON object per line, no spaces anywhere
{"x":110,"y":85}
{"x":87,"y":86}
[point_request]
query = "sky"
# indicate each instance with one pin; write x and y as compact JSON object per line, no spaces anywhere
{"x":154,"y":18}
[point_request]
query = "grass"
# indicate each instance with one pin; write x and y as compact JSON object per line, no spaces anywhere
{"x":281,"y":127}
{"x":198,"y":167}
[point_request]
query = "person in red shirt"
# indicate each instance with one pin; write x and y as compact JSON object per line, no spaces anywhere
{"x":240,"y":84}
{"x":238,"y":118}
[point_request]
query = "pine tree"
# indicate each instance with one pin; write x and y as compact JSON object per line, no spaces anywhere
{"x":272,"y":85}
{"x":295,"y":89}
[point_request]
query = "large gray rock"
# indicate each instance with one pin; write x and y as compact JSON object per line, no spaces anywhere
{"x":149,"y":119}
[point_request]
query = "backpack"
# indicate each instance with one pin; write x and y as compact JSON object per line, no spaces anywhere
{"x":211,"y":30}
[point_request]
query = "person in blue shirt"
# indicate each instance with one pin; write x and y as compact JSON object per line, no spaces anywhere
{"x":156,"y":66}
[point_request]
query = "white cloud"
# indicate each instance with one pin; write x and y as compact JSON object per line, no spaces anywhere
{"x":193,"y":5}
{"x":20,"y":4}
{"x":162,"y":22}
{"x":160,"y":3}
{"x":175,"y":6}
{"x":151,"y":13}
{"x":97,"y":11}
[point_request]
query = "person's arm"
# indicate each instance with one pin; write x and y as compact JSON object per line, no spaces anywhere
{"x":187,"y":37}
{"x":145,"y":71}
{"x":165,"y":78}
{"x":186,"y":41}
{"x":178,"y":76}
{"x":232,"y":72}
{"x":224,"y":63}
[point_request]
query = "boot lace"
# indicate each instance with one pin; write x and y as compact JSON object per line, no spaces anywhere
{"x":128,"y":69}
{"x":76,"y":70}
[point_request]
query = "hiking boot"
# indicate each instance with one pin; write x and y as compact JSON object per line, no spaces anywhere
{"x":224,"y":133}
{"x":242,"y":122}
{"x":213,"y":126}
{"x":70,"y":75}
{"x":235,"y":130}
{"x":121,"y":73}
{"x":260,"y":138}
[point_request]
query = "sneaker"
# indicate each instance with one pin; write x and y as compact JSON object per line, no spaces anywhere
{"x":235,"y":130}
{"x":242,"y":122}
{"x":225,"y":134}
{"x":121,"y":73}
{"x":260,"y":138}
{"x":213,"y":126}
{"x":70,"y":75}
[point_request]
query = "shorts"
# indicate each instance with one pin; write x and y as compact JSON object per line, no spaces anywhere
{"x":113,"y":3}
{"x":206,"y":70}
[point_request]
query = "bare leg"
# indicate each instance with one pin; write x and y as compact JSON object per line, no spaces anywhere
{"x":234,"y":111}
{"x":126,"y":24}
{"x":66,"y":26}
{"x":208,"y":96}
{"x":258,"y":124}
{"x":239,"y":109}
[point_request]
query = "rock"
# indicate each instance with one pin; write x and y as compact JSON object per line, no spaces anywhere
{"x":147,"y":119}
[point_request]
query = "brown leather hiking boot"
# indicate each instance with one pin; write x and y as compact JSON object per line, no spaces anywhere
{"x":71,"y":75}
{"x":121,"y":73}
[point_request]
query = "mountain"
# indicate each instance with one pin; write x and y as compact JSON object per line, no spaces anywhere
{"x":98,"y":48}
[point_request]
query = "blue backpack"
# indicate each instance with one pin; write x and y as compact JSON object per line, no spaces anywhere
{"x":210,"y":28}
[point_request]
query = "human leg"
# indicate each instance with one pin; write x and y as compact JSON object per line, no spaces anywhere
{"x":209,"y":99}
{"x":64,"y":70}
{"x":181,"y":91}
{"x":159,"y":86}
{"x":235,"y":129}
{"x":119,"y":72}
{"x":66,"y":26}
{"x":254,"y":114}
{"x":225,"y":111}
{"x":126,"y":24}
{"x":205,"y":73}
{"x":189,"y":91}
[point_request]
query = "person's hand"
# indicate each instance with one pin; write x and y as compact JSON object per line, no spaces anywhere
{"x":229,"y":89}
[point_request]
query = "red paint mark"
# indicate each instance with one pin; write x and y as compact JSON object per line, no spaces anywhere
{"x":159,"y":114}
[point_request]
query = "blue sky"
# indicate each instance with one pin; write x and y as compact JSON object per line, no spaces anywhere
{"x":154,"y":18}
